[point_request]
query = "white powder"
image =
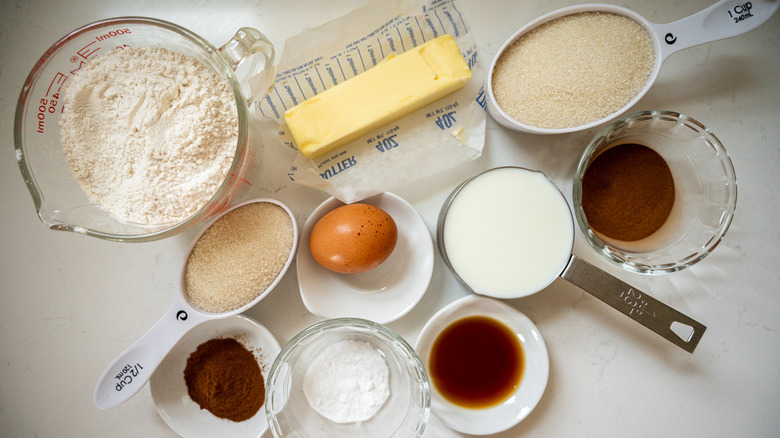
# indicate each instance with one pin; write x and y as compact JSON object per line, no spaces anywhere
{"x":150,"y":134}
{"x":347,"y":382}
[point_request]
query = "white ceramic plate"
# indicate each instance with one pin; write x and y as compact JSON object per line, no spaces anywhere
{"x":169,"y":391}
{"x":382,"y":294}
{"x":537,"y":367}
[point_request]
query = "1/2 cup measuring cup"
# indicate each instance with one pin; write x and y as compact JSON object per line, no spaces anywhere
{"x":59,"y":200}
{"x":128,"y":373}
{"x":724,"y":19}
{"x":508,"y":233}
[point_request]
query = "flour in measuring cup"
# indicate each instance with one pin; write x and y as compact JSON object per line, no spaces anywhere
{"x":149,"y":134}
{"x":347,"y":382}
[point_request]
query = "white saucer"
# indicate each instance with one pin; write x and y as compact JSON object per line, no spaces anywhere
{"x":169,"y":391}
{"x":382,"y":294}
{"x":537,"y":367}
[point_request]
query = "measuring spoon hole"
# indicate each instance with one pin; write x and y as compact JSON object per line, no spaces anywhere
{"x":684,"y":331}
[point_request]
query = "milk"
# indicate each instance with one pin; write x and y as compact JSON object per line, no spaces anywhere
{"x":508,"y":232}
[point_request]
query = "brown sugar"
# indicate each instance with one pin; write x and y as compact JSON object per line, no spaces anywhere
{"x":573,"y":70}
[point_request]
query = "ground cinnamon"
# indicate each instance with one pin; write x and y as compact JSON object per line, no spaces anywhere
{"x":224,"y":377}
{"x":627,"y":192}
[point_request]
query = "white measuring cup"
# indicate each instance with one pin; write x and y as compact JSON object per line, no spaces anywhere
{"x":508,"y":233}
{"x":724,"y":19}
{"x":128,"y":373}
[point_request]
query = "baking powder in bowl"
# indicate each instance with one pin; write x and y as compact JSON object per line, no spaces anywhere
{"x":347,"y":382}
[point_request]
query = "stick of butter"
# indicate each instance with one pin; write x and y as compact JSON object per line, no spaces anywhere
{"x":390,"y":90}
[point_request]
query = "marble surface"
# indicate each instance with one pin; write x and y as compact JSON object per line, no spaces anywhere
{"x":70,"y":303}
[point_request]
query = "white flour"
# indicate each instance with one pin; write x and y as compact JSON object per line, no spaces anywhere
{"x":149,"y":134}
{"x":348,"y":382}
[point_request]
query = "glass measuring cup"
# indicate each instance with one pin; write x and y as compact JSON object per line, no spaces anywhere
{"x":724,"y":19}
{"x":129,"y":371}
{"x":59,"y":200}
{"x":508,"y":233}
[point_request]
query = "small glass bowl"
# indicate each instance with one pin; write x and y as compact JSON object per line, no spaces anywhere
{"x":405,"y":414}
{"x":705,"y":192}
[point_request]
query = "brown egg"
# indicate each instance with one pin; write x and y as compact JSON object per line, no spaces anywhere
{"x":353,"y":238}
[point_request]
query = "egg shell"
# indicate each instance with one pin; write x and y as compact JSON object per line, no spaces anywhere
{"x":353,"y":238}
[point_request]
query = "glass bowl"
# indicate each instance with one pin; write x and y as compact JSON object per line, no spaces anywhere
{"x":404,"y":414}
{"x":59,"y":199}
{"x":705,"y":188}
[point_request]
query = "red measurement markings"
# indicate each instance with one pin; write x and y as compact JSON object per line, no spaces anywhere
{"x":82,"y":54}
{"x":58,"y":82}
{"x":113,"y":33}
{"x":75,"y":70}
{"x":48,"y":105}
{"x":86,"y":52}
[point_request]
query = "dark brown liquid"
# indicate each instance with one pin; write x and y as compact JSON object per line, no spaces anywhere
{"x":476,"y":362}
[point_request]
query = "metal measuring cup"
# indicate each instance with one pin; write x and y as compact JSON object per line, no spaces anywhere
{"x":672,"y":325}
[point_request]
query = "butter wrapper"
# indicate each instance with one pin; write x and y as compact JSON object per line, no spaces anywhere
{"x":437,"y":137}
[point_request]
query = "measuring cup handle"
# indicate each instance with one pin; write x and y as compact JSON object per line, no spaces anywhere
{"x":724,"y":19}
{"x":128,"y":373}
{"x":249,"y":44}
{"x":681,"y":330}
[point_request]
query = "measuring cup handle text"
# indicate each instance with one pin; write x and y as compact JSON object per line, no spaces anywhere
{"x":674,"y":326}
{"x":128,"y":373}
{"x":724,"y":19}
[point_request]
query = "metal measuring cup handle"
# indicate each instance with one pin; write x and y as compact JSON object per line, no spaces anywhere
{"x":635,"y":304}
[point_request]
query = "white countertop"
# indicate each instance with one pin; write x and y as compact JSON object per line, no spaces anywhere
{"x":70,"y":303}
